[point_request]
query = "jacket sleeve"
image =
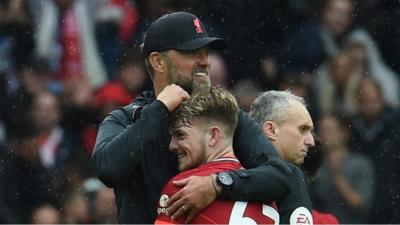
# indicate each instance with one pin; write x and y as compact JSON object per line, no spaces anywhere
{"x":267,"y":178}
{"x":120,"y":143}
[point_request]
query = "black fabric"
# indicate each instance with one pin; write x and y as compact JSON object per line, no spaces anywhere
{"x":133,"y":158}
{"x":179,"y":31}
{"x":24,"y":186}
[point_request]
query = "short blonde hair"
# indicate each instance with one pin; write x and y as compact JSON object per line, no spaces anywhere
{"x":215,"y":104}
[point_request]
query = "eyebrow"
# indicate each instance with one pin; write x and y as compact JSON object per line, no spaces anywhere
{"x":308,"y":127}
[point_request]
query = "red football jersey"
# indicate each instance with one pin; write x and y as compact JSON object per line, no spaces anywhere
{"x":219,"y":212}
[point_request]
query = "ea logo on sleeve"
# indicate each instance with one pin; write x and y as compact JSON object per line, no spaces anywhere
{"x":301,"y":216}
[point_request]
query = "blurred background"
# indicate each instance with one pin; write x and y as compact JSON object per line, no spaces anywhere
{"x":64,"y":64}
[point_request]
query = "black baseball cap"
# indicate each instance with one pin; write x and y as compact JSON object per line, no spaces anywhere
{"x":180,"y":31}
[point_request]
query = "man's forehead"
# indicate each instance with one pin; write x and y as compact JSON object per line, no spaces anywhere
{"x":178,"y":129}
{"x":297,"y":113}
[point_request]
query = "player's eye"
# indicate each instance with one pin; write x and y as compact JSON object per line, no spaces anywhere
{"x":180,"y":135}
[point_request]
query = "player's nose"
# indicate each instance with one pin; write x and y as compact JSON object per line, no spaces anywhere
{"x":173,"y":145}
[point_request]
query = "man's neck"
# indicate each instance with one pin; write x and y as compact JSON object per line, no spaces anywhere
{"x":158,"y":85}
{"x":280,"y":153}
{"x":158,"y":89}
{"x":223,"y":152}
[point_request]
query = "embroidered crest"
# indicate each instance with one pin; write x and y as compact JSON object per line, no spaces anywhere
{"x":197,"y":24}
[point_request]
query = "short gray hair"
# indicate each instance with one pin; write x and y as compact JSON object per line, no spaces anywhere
{"x":271,"y":105}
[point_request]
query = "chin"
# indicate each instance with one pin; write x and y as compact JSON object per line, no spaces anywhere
{"x":184,"y":167}
{"x":181,"y":167}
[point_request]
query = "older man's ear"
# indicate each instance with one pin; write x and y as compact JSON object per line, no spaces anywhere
{"x":270,"y":129}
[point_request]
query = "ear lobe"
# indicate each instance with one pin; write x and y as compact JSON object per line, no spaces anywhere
{"x":157,"y":62}
{"x":270,"y":130}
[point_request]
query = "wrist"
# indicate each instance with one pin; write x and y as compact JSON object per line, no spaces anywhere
{"x":216,"y":186}
{"x":164,"y":104}
{"x":224,"y":181}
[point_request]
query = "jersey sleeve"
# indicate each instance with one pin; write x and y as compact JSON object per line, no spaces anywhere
{"x":168,"y":190}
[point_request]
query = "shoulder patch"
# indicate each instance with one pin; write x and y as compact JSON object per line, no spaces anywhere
{"x":301,"y":216}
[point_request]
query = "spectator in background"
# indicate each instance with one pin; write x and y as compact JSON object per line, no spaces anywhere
{"x":101,"y":200}
{"x":16,"y":39}
{"x":376,"y":135}
{"x":24,"y":183}
{"x":129,"y":82}
{"x":313,"y":43}
{"x":54,"y":145}
{"x":252,"y":29}
{"x":381,"y":18}
{"x":34,"y":79}
{"x":219,"y":74}
{"x":46,"y":214}
{"x":65,"y":36}
{"x":344,"y":185}
{"x":116,"y":24}
{"x":77,"y":105}
{"x":367,"y":59}
{"x":336,"y":85}
{"x":105,"y":210}
{"x":268,"y":77}
{"x":376,"y":121}
{"x":75,"y":208}
{"x":245,"y":91}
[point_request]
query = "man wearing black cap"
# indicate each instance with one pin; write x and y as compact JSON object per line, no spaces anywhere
{"x":131,"y":152}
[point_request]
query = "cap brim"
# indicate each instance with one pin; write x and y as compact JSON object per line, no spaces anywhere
{"x":214,"y":43}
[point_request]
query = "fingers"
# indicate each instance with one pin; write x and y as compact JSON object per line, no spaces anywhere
{"x":177,"y":201}
{"x":180,"y":212}
{"x":172,"y":95}
{"x":197,"y":193}
{"x":181,"y":183}
{"x":190,"y":215}
{"x":174,"y":203}
{"x":177,"y":209}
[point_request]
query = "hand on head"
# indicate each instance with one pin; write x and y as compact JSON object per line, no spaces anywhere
{"x":172,"y":95}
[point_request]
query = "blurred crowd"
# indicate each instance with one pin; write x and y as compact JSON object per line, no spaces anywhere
{"x":65,"y":64}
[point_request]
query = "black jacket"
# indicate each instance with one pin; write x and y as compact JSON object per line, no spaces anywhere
{"x":131,"y":155}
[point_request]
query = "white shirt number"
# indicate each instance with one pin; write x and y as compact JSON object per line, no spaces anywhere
{"x":239,"y":209}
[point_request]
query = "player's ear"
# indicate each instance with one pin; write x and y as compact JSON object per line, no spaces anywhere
{"x":157,"y":62}
{"x":215,"y":136}
{"x":270,"y":130}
